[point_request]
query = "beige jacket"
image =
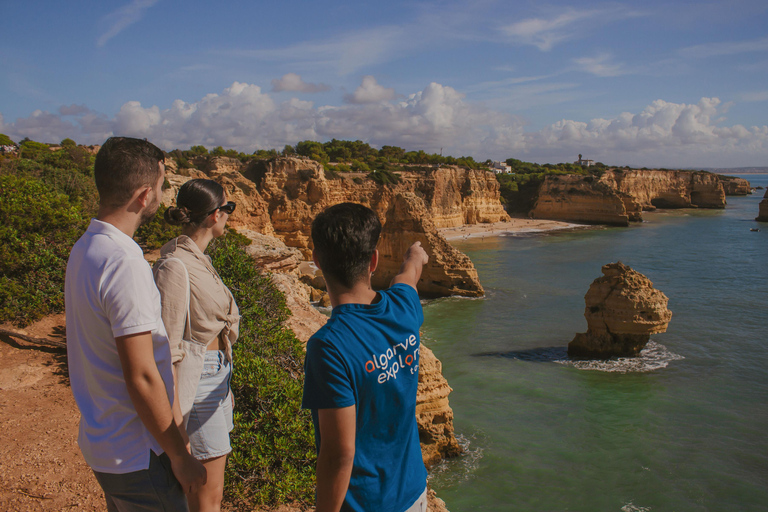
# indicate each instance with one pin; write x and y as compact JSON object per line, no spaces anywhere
{"x":212,"y":310}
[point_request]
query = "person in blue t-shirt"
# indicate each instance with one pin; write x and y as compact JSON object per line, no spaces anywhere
{"x":362,"y":371}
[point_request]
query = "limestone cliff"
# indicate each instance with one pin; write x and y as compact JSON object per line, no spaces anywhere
{"x":295,"y":190}
{"x":280,"y":197}
{"x":622,"y":310}
{"x":433,"y":412}
{"x":762,"y":214}
{"x":734,"y":186}
{"x":618,"y":197}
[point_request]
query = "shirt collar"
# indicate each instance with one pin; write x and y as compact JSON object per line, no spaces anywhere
{"x":99,"y":227}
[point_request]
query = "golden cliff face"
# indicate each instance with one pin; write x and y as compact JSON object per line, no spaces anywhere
{"x":296,"y":190}
{"x":619,"y":197}
{"x":734,"y":186}
{"x":281,"y":197}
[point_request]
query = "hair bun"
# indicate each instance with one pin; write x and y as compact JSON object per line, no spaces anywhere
{"x":177,"y":216}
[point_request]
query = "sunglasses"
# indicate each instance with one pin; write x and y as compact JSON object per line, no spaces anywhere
{"x":227,"y":208}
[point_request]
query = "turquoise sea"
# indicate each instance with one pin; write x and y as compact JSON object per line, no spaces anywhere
{"x":682,"y":428}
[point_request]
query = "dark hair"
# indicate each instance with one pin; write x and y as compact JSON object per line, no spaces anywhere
{"x":344,"y":238}
{"x":194,"y":202}
{"x":124,"y":165}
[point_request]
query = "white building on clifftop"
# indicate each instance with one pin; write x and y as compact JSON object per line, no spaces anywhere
{"x":500,"y":168}
{"x":584,"y":163}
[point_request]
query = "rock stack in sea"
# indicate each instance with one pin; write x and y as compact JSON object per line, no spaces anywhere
{"x":762,"y":214}
{"x":622,"y":310}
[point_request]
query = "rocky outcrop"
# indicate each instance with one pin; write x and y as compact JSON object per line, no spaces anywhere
{"x":762,"y":214}
{"x":622,"y":310}
{"x":734,"y":186}
{"x":433,"y":413}
{"x":296,"y":190}
{"x":618,"y":197}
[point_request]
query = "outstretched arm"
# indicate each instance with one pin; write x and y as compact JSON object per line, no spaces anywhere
{"x":337,"y":453}
{"x":147,"y":391}
{"x":414,"y":260}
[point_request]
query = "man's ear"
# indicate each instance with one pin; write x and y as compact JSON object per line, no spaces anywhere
{"x":374,"y":260}
{"x":144,"y":194}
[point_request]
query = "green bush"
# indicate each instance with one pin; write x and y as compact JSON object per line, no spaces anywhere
{"x":38,"y":227}
{"x":5,"y":140}
{"x":273,"y":452}
{"x":384,"y":177}
{"x":156,"y":232}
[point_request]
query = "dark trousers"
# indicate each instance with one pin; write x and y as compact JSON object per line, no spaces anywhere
{"x":150,"y":490}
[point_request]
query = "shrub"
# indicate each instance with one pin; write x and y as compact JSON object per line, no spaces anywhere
{"x":384,"y":177}
{"x":273,"y":454}
{"x":38,"y":227}
{"x":156,"y":232}
{"x":5,"y":140}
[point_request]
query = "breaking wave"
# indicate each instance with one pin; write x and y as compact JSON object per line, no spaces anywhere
{"x":654,"y":356}
{"x":459,"y":469}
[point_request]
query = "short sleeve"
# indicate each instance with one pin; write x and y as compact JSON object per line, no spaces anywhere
{"x":409,"y":299}
{"x":129,"y":294}
{"x":172,"y":282}
{"x":327,"y":382}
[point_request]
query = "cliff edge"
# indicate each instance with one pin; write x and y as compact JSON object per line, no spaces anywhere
{"x":618,"y":197}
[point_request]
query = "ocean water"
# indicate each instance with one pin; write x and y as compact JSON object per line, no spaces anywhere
{"x":682,"y":428}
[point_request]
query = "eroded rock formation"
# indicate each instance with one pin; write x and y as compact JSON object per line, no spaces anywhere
{"x":434,"y":414}
{"x":734,"y":186}
{"x":762,"y":214}
{"x":619,"y":197}
{"x":280,"y":197}
{"x":622,"y":310}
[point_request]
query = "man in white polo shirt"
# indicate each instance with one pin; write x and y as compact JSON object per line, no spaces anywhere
{"x":118,"y":352}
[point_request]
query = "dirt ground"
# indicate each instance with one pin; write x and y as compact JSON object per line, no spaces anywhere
{"x":41,"y":467}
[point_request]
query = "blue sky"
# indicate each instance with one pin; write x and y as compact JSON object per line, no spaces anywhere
{"x":672,"y":84}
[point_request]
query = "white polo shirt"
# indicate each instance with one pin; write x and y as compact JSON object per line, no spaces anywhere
{"x":110,"y":292}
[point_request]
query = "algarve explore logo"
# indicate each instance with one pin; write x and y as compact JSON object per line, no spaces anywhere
{"x":404,"y":355}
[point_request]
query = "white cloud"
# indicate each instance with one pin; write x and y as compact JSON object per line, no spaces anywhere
{"x":119,"y":20}
{"x":293,"y":82}
{"x":662,"y":134}
{"x":370,"y":91}
{"x":246,"y":118}
{"x":545,"y":33}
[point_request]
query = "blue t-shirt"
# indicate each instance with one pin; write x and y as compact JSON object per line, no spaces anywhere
{"x":368,"y":356}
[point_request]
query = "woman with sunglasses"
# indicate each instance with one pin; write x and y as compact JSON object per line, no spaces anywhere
{"x":201,"y":319}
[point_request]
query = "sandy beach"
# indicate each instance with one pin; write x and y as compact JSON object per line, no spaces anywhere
{"x":516,"y":225}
